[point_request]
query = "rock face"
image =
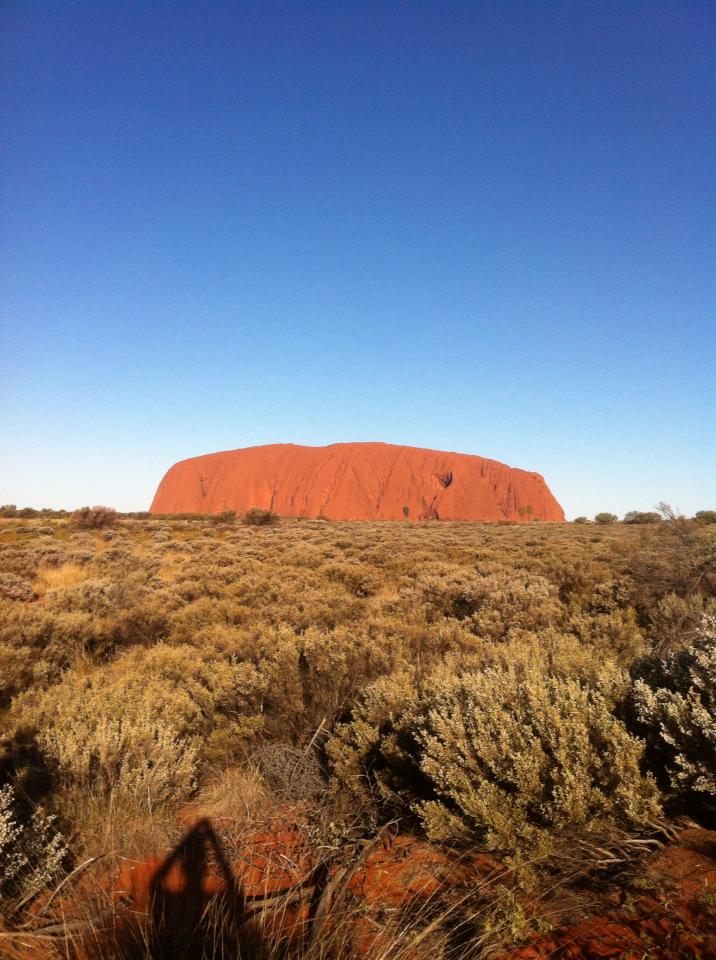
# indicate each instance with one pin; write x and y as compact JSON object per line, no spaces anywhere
{"x":356,"y":481}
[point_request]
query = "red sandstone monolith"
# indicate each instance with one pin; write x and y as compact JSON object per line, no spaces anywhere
{"x":356,"y":481}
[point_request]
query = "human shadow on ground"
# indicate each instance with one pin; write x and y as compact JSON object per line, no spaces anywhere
{"x":197,"y":909}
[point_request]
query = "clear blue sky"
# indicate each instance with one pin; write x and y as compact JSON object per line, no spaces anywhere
{"x":478,"y":226}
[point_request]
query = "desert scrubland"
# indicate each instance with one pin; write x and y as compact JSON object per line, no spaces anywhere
{"x":392,"y":738}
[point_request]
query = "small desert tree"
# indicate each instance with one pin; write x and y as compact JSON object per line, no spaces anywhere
{"x":605,"y":517}
{"x":256,"y":517}
{"x":224,"y":519}
{"x":94,"y":518}
{"x":642,"y":517}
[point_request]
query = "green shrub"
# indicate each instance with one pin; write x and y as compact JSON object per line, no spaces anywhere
{"x":13,"y":587}
{"x":674,"y":622}
{"x":610,"y":632}
{"x":640,"y":516}
{"x":360,"y":579}
{"x":678,"y":558}
{"x":374,"y":758}
{"x":605,"y":518}
{"x":515,"y":754}
{"x":673,"y":707}
{"x":134,"y":728}
{"x":511,"y":602}
{"x":225,"y":518}
{"x":510,"y":755}
{"x":31,"y":851}
{"x":705,"y":516}
{"x":256,"y":517}
{"x":489,"y":605}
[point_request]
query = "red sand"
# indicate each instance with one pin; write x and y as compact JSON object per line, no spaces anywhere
{"x":356,"y":481}
{"x":674,"y":920}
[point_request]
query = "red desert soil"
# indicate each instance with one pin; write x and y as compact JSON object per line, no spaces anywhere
{"x":674,"y":918}
{"x":356,"y":481}
{"x":279,"y":886}
{"x":282,"y":886}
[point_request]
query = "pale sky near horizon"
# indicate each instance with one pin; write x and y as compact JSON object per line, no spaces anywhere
{"x":467,"y":226}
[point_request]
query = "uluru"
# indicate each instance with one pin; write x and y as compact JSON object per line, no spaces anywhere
{"x":356,"y":481}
